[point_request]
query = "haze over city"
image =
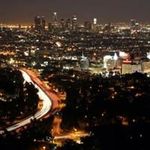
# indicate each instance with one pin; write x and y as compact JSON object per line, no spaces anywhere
{"x":23,"y":11}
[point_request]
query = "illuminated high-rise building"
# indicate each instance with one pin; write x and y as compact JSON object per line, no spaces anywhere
{"x":62,"y":23}
{"x":68,"y":24}
{"x":87,"y":25}
{"x":108,"y":28}
{"x":74,"y":22}
{"x":95,"y":21}
{"x":50,"y":27}
{"x":43,"y":22}
{"x":55,"y":19}
{"x":134,"y":24}
{"x":37,"y":22}
{"x":94,"y":24}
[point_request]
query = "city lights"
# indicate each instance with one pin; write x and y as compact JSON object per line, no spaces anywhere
{"x":74,"y":76}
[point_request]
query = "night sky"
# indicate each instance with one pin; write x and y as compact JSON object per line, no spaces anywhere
{"x":23,"y":11}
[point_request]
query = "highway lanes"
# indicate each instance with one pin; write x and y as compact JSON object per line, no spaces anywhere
{"x":50,"y":100}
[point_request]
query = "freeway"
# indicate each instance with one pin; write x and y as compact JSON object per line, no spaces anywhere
{"x":50,"y":100}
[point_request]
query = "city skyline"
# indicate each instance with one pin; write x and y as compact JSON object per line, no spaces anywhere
{"x":74,"y":74}
{"x":19,"y":11}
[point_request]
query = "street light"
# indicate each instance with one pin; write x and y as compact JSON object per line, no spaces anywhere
{"x":44,"y":147}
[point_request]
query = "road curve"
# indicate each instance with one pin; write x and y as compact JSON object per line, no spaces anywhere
{"x":50,"y":100}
